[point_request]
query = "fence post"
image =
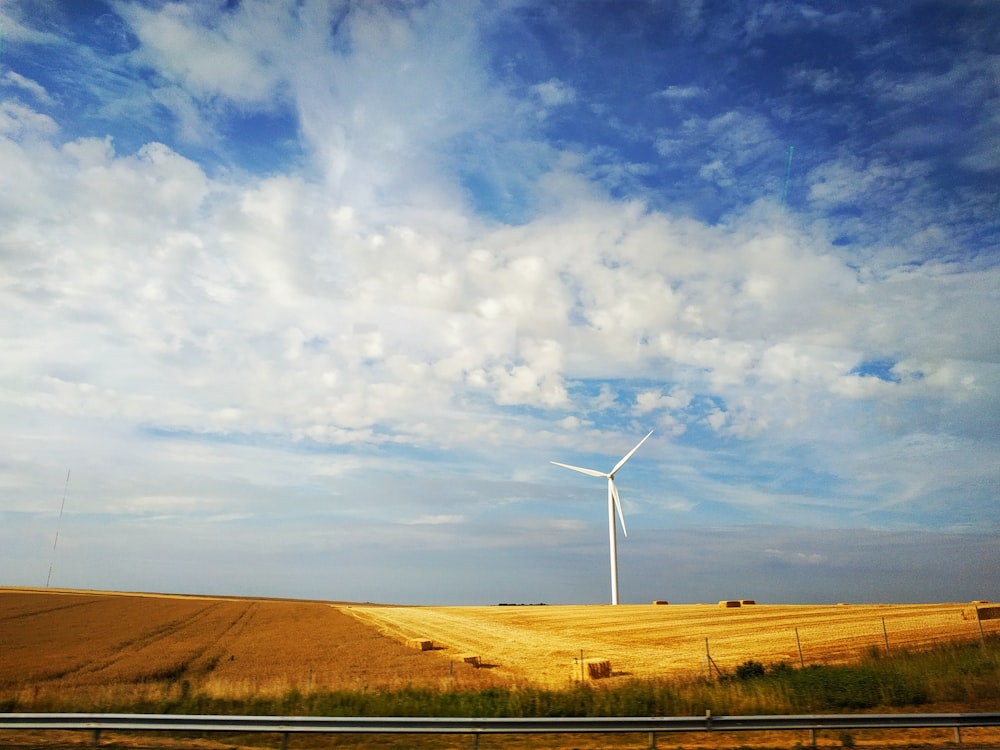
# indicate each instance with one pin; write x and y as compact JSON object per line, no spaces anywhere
{"x":802,"y":662}
{"x":710,"y":663}
{"x":885,"y":637}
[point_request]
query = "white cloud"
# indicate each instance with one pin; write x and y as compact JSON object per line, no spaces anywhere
{"x":37,"y":91}
{"x":821,"y":81}
{"x":232,"y":55}
{"x":554,"y":93}
{"x":307,"y":342}
{"x":681,"y":92}
{"x":850,"y":179}
{"x":18,"y":121}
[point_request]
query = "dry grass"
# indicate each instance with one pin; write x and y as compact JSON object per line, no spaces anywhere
{"x":540,"y":644}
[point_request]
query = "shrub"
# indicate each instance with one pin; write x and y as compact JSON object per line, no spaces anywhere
{"x":750,"y":670}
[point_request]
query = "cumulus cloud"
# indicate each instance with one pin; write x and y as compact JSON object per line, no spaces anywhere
{"x":232,"y":55}
{"x":342,"y":327}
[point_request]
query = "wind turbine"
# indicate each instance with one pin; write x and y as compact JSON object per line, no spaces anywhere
{"x":614,"y":503}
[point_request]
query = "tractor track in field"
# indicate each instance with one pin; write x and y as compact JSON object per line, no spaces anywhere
{"x":140,"y":644}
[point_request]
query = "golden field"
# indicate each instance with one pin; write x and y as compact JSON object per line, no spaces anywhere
{"x":66,"y":641}
{"x":91,"y":644}
{"x":106,"y":649}
{"x":541,"y":644}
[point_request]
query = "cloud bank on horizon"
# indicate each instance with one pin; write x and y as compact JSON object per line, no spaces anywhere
{"x":308,"y":294}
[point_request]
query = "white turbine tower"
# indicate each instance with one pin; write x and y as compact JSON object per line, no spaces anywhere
{"x":614,"y":503}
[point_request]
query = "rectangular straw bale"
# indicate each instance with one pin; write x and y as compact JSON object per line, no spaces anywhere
{"x":660,"y":601}
{"x":745,"y":602}
{"x":728,"y":603}
{"x":598,"y":668}
{"x":982,"y":613}
{"x":472,"y":659}
{"x":420,"y":644}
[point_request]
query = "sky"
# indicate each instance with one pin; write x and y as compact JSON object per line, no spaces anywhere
{"x":301,"y":299}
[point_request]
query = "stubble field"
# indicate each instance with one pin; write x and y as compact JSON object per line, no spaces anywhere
{"x":89,"y":643}
{"x":112,"y":647}
{"x":542,"y":644}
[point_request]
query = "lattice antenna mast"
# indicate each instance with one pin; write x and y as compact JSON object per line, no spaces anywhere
{"x":62,"y":507}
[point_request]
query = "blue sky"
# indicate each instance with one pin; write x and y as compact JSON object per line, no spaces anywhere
{"x":307,"y":295}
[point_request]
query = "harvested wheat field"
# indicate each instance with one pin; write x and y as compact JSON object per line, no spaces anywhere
{"x":542,"y":644}
{"x":66,"y":641}
{"x":135,"y":644}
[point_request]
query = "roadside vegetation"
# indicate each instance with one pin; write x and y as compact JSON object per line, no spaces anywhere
{"x":962,"y":675}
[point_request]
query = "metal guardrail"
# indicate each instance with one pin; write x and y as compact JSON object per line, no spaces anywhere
{"x":287,"y":725}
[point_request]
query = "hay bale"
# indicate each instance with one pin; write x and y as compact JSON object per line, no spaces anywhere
{"x":981,"y":613}
{"x":660,"y":601}
{"x":597,"y":669}
{"x":472,"y":659}
{"x":745,"y":602}
{"x":420,"y":644}
{"x":729,"y":603}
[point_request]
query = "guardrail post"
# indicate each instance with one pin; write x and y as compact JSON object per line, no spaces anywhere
{"x":958,"y":735}
{"x":708,"y":720}
{"x":97,"y":738}
{"x":812,"y":737}
{"x":475,"y":742}
{"x":652,"y":741}
{"x":284,"y":741}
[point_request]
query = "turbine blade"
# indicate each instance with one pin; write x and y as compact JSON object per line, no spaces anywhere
{"x":618,"y":505}
{"x":592,"y":472}
{"x":628,"y":455}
